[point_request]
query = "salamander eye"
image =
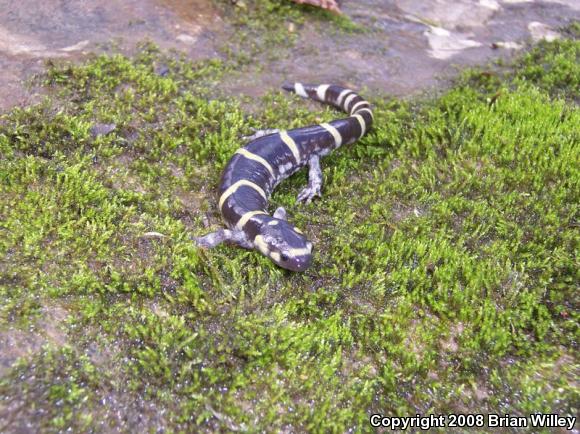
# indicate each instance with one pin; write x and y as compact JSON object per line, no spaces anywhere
{"x":284,"y":257}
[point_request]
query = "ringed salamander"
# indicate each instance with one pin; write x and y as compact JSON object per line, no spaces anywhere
{"x":272,"y":156}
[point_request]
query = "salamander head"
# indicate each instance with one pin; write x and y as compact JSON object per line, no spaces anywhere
{"x":285,"y":245}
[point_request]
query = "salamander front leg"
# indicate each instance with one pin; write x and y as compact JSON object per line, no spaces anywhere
{"x":314,"y":181}
{"x":280,"y":213}
{"x":260,"y":133}
{"x":224,"y":235}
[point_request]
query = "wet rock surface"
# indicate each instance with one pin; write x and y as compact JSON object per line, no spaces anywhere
{"x":407,"y":46}
{"x":411,"y":44}
{"x":32,"y":32}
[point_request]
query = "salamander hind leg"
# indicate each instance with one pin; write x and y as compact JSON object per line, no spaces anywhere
{"x":224,"y":235}
{"x":314,"y":181}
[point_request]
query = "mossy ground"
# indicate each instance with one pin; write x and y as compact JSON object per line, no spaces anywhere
{"x":445,"y":276}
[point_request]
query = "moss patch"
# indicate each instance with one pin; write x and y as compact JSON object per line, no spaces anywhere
{"x":445,"y":271}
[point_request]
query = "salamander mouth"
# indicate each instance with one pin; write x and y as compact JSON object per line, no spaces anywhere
{"x":300,"y":263}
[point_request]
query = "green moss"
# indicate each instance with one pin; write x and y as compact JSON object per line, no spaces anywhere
{"x":552,"y":66}
{"x":57,"y":390}
{"x":444,"y":278}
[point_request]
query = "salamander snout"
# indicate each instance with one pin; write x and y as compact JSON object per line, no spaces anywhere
{"x":285,"y":245}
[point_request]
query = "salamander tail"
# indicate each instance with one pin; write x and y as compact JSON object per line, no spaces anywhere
{"x":340,"y":97}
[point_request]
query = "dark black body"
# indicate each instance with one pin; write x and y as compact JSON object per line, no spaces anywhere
{"x":256,"y":169}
